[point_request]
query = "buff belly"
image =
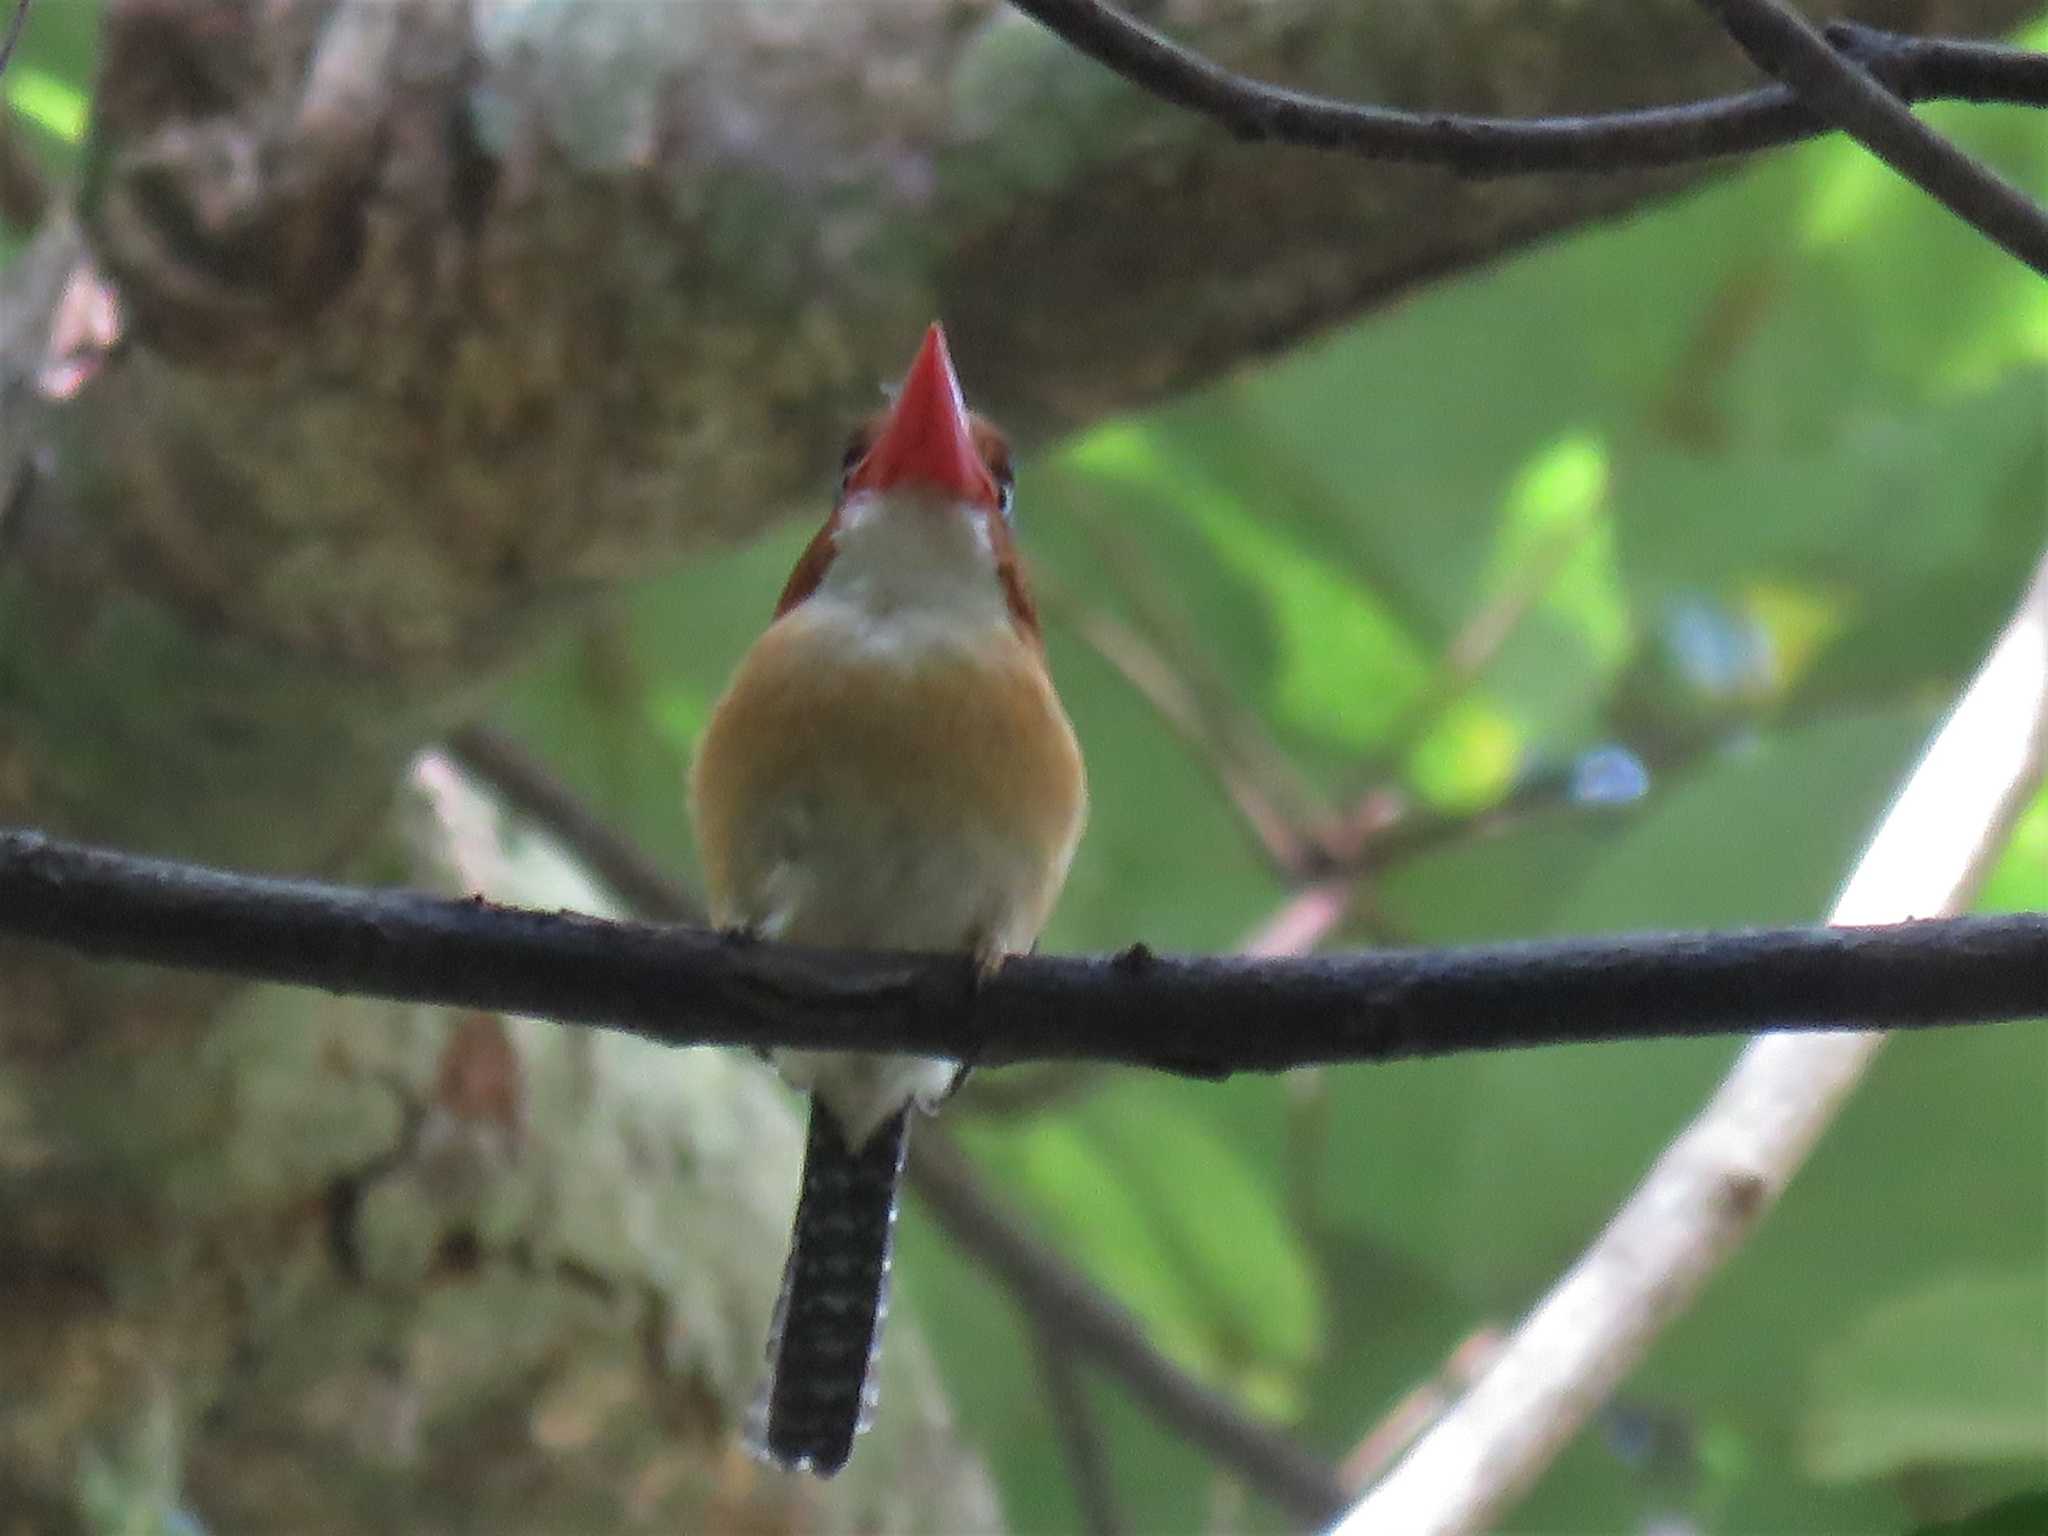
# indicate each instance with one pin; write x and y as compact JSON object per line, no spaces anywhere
{"x":909,"y":787}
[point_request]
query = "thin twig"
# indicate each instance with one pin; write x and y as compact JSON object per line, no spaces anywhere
{"x":1915,"y":69}
{"x":1303,"y":921}
{"x":1178,"y":678}
{"x":1479,"y":641}
{"x":1087,"y":1458}
{"x":1056,"y":1295}
{"x":16,"y":24}
{"x":525,"y":784}
{"x":1405,"y":1423}
{"x":1716,"y":1180}
{"x":1383,"y":841}
{"x":1174,"y":699}
{"x":1849,"y":95}
{"x":1185,"y":1014}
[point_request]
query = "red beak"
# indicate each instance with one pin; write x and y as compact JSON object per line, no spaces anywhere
{"x":925,"y":440}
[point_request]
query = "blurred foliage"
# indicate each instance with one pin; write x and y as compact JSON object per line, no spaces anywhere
{"x":1950,"y":1373}
{"x":1743,"y":487}
{"x":1733,"y":493}
{"x":49,"y":77}
{"x":45,"y":92}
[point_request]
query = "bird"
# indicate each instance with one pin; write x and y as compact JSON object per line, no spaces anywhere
{"x":890,"y":767}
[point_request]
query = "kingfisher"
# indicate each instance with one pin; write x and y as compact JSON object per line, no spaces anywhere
{"x":889,"y":768}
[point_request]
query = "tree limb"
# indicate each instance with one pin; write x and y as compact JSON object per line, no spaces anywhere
{"x":1914,"y":69}
{"x":1850,"y":94}
{"x":1183,"y":1014}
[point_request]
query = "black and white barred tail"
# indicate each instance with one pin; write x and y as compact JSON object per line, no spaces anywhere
{"x":835,"y":1288}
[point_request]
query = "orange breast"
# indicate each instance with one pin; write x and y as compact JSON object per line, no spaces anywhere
{"x":888,"y":795}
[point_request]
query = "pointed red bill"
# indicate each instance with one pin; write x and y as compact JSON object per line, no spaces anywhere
{"x":925,"y":442}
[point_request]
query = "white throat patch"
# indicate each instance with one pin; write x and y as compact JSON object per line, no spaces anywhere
{"x":903,"y":560}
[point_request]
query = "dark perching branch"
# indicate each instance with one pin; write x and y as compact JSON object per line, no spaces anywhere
{"x":1848,"y":94}
{"x":1203,"y":1016}
{"x":1913,"y":69}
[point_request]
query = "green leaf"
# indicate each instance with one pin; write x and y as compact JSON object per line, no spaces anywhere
{"x":1557,"y":520}
{"x":1468,"y":758}
{"x":54,"y":105}
{"x":2019,"y":881}
{"x":1345,"y":668}
{"x":2026,"y":1515}
{"x":1762,"y":830}
{"x":1950,"y":1373}
{"x":1879,"y":496}
{"x":1139,"y":1191}
{"x":1223,"y":1222}
{"x":48,"y":84}
{"x":1941,"y":307}
{"x":1073,"y":1189}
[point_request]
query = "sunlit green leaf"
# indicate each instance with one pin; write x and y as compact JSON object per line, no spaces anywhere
{"x":2019,"y":881}
{"x":1468,"y":759}
{"x":1346,"y":670}
{"x":54,"y":105}
{"x":1557,"y":534}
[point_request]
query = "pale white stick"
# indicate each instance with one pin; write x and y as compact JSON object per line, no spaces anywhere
{"x":1710,"y":1186}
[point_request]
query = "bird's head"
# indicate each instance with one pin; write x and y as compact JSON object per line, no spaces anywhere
{"x":927,"y":468}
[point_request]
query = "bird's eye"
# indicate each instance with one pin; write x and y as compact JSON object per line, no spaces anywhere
{"x":1006,"y":494}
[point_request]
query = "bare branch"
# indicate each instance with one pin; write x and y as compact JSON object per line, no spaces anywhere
{"x":1303,"y":921}
{"x":1848,"y":94}
{"x":1054,"y":1294}
{"x":1915,"y":69}
{"x":1182,"y":1014}
{"x":1405,"y":1423}
{"x":1713,"y":1183}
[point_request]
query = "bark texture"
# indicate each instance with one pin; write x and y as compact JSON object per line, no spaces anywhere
{"x":384,"y":338}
